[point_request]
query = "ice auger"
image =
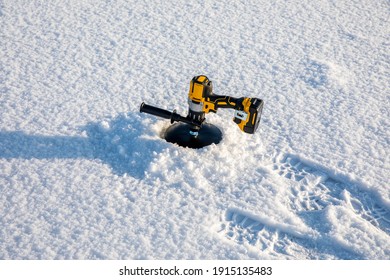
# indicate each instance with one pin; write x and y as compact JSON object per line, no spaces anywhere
{"x":192,"y":131}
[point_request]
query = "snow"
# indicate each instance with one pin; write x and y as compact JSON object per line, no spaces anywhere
{"x":84,"y":175}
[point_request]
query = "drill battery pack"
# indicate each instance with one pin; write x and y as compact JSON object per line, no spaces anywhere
{"x":249,"y":118}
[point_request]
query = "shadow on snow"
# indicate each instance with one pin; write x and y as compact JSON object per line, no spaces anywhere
{"x":122,"y":143}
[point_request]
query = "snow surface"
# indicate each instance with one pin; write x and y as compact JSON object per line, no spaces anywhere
{"x":84,"y":175}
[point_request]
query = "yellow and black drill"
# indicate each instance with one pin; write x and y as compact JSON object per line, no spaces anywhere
{"x":192,"y":131}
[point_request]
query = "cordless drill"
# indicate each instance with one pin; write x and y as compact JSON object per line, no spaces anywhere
{"x":202,"y":100}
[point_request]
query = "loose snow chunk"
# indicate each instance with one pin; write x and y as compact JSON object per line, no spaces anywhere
{"x":105,"y":125}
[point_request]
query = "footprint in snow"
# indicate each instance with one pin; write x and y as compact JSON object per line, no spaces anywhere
{"x":312,"y":188}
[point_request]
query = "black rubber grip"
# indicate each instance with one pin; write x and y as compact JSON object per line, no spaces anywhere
{"x":155,"y":111}
{"x":173,"y":116}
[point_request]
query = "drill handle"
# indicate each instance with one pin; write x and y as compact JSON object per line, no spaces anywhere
{"x":215,"y":102}
{"x":248,"y":110}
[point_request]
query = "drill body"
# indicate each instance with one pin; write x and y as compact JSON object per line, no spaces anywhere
{"x":202,"y":100}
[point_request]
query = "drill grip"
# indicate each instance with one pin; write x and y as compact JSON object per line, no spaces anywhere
{"x":224,"y":101}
